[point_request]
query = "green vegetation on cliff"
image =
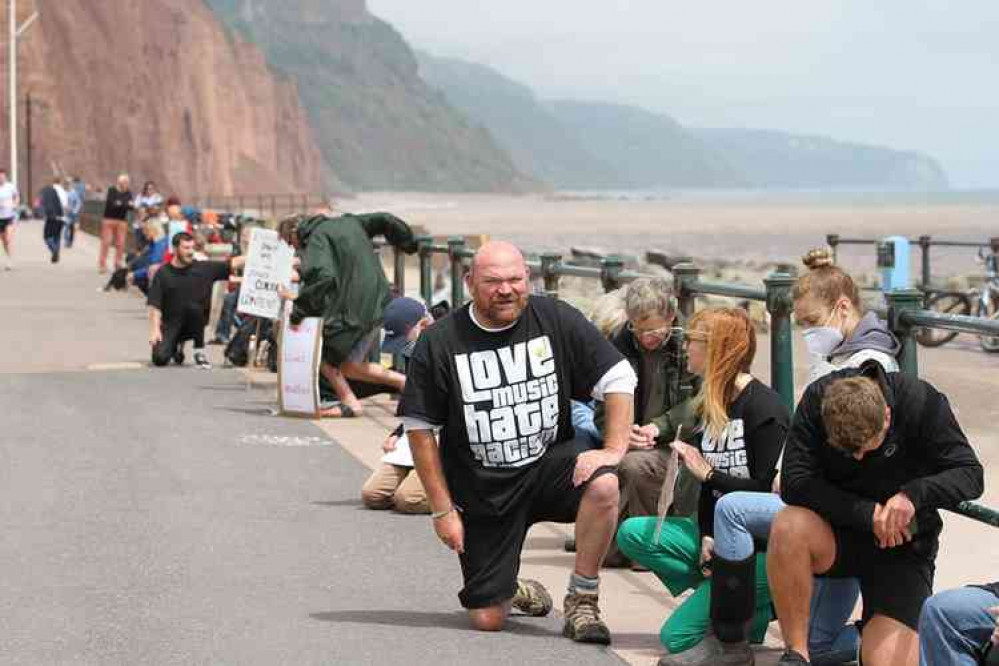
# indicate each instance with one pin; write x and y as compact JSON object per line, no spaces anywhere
{"x":380,"y":126}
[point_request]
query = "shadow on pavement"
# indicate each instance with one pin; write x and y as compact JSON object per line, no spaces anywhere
{"x":397,"y":618}
{"x":343,"y":502}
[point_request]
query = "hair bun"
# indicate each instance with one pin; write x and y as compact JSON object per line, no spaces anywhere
{"x":818,"y":258}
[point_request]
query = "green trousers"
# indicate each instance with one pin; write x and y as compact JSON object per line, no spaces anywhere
{"x":674,"y":559}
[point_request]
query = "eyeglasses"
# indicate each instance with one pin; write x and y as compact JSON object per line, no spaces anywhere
{"x":663,"y":333}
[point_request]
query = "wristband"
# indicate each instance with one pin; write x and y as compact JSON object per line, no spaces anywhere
{"x":437,"y":515}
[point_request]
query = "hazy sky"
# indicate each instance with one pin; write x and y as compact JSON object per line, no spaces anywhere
{"x":908,"y":74}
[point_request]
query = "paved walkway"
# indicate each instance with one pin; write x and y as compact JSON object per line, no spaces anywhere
{"x":165,"y":516}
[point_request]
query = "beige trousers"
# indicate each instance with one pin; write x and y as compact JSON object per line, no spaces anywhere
{"x":394,"y":487}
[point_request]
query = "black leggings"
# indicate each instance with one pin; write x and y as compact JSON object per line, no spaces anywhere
{"x":189,"y":326}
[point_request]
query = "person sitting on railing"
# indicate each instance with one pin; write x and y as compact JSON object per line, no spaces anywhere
{"x":870,"y":459}
{"x":649,"y":344}
{"x":837,"y":334}
{"x":960,"y":627}
{"x":741,"y":427}
{"x":344,"y":283}
{"x":394,"y":484}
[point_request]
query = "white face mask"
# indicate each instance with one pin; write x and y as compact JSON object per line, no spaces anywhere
{"x":822,"y":340}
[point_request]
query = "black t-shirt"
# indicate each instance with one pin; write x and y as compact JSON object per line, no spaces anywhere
{"x":118,"y":204}
{"x":502,"y":398}
{"x":745,"y":456}
{"x":177,"y":290}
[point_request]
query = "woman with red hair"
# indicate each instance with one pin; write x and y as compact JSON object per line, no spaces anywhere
{"x":741,"y":428}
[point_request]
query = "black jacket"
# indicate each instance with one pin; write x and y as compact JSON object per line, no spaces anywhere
{"x":925,"y":455}
{"x":51,"y":204}
{"x":675,"y":375}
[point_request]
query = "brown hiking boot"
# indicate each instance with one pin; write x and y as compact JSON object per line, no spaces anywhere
{"x":531,"y":598}
{"x":582,"y":620}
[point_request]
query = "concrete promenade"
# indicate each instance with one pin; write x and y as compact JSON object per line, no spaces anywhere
{"x":167,"y":517}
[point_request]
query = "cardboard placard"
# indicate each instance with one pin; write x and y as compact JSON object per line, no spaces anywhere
{"x":268,"y":268}
{"x":298,"y":367}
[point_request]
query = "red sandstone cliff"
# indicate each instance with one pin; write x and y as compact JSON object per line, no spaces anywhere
{"x":158,"y":88}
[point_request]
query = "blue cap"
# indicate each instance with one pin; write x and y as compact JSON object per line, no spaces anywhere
{"x":401,"y":315}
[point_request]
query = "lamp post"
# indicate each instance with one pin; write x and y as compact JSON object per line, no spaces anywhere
{"x":14,"y":34}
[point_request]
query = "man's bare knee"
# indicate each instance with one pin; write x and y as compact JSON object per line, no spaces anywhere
{"x":797,"y":531}
{"x":488,"y":619}
{"x":603,"y":491}
{"x":888,"y":642}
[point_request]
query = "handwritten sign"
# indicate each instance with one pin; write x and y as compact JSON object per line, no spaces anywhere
{"x":268,"y":268}
{"x":298,"y":367}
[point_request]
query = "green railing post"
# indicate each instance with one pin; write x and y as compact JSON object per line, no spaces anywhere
{"x":899,"y":301}
{"x":455,"y":247}
{"x":832,"y":240}
{"x":610,"y":271}
{"x":779,"y":305}
{"x":683,"y":275}
{"x":924,"y":244}
{"x":550,"y":265}
{"x":399,"y":258}
{"x":423,"y":244}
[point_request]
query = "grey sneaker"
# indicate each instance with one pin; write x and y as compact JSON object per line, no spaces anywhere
{"x":712,"y":651}
{"x":531,"y":598}
{"x":792,"y":658}
{"x":201,"y":360}
{"x":582,"y":620}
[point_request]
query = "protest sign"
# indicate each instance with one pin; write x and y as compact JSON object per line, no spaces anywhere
{"x":268,"y":268}
{"x":298,"y":367}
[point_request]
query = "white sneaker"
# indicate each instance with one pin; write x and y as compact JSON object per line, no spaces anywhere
{"x":201,"y":360}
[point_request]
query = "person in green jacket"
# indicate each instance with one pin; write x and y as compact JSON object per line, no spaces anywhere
{"x":342,"y":281}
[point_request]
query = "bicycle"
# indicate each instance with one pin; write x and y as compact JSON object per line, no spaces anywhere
{"x":983,"y":302}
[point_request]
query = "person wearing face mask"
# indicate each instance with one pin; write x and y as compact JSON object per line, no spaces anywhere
{"x":838,"y":335}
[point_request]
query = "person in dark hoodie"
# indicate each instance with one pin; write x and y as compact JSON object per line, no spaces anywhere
{"x":53,"y":212}
{"x":838,"y":334}
{"x":870,"y":459}
{"x":344,"y":284}
{"x":648,"y":342}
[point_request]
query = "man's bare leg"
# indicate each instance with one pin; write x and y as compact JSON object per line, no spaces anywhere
{"x":596,"y":523}
{"x":801,"y":545}
{"x":888,"y":642}
{"x":374,"y":374}
{"x":490,"y":619}
{"x":341,"y":387}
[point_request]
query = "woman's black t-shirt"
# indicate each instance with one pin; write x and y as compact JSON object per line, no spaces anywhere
{"x":745,"y":456}
{"x":502,"y":397}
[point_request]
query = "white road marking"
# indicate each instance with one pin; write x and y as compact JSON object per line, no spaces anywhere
{"x":284,"y":440}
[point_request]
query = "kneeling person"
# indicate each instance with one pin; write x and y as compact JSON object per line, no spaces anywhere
{"x":869,"y":460}
{"x":179,"y":299}
{"x":497,"y":377}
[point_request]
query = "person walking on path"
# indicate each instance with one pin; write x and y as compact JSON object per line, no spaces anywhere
{"x":10,"y":202}
{"x":114,"y":226}
{"x":52,"y":210}
{"x":178,"y":302}
{"x":74,"y":205}
{"x":343,"y":282}
{"x":497,"y":376}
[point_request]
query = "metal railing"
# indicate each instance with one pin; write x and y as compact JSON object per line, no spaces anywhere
{"x":904,"y":314}
{"x":277,"y":205}
{"x":925,"y":243}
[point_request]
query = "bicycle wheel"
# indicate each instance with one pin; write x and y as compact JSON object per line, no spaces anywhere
{"x":944,"y":302}
{"x":990,"y":343}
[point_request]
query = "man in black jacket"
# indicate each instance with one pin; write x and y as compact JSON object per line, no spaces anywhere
{"x":52,"y":209}
{"x":869,"y":460}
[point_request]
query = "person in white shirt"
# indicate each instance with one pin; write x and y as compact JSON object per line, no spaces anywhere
{"x":9,"y":202}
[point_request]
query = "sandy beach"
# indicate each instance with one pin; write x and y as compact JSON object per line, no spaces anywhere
{"x":758,"y":230}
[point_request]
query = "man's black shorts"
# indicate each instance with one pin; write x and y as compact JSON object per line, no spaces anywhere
{"x":491,"y":560}
{"x":4,"y":223}
{"x":894,"y":582}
